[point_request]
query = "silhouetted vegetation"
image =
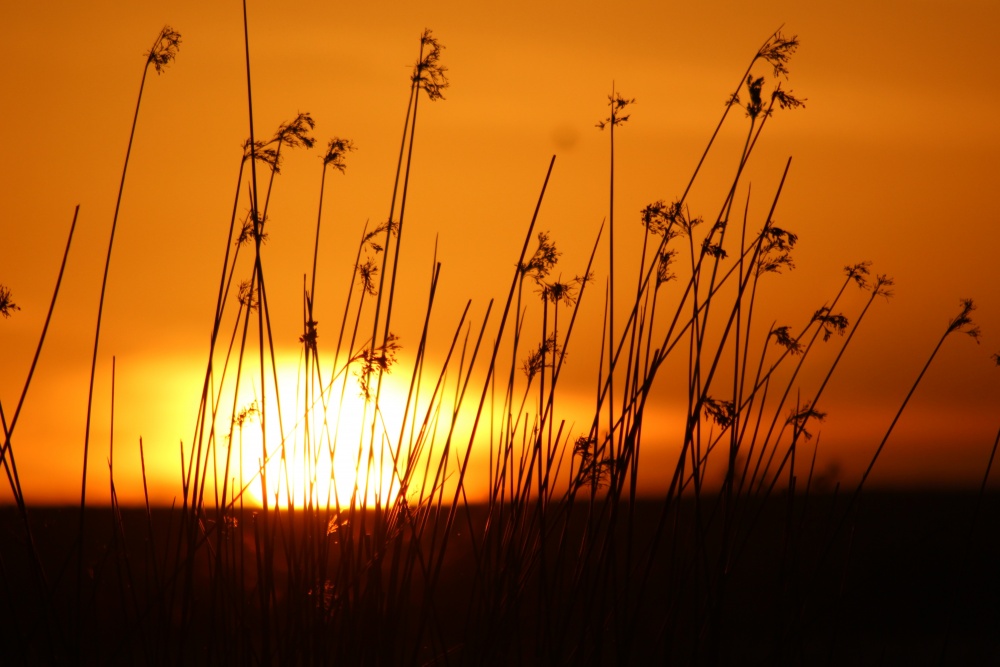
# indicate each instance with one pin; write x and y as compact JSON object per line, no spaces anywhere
{"x":747,"y":554}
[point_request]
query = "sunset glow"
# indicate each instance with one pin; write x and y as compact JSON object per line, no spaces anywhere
{"x":484,"y":334}
{"x":327,"y":463}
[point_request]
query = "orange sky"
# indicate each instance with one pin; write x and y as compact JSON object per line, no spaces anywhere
{"x":895,"y":160}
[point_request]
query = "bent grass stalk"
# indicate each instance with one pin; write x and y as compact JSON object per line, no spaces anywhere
{"x":163,"y":51}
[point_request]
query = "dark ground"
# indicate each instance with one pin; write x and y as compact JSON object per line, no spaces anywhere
{"x":908,"y":580}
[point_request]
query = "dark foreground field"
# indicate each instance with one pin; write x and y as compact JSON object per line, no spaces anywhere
{"x":906,"y":580}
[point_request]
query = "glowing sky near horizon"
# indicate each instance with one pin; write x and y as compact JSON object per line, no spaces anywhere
{"x":894,"y":160}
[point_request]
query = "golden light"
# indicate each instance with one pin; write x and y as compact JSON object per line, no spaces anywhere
{"x":340,"y":448}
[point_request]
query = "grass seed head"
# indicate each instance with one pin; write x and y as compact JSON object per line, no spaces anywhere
{"x":755,"y":105}
{"x":336,"y":151}
{"x":376,"y":361}
{"x":594,"y":468}
{"x":775,"y":253}
{"x":247,"y":413}
{"x":778,"y":51}
{"x":536,"y":360}
{"x":371,"y":238}
{"x":721,"y":412}
{"x":367,"y":272}
{"x":7,"y":305}
{"x":883,"y":286}
{"x":164,"y":50}
{"x":263,"y":152}
{"x":249,"y":231}
{"x":296,"y":132}
{"x":659,"y":218}
{"x":541,"y":262}
{"x":859,"y":273}
{"x":782,"y":338}
{"x":311,"y":334}
{"x":663,"y":271}
{"x":429,"y":74}
{"x":247,"y":296}
{"x":292,"y":134}
{"x":962,"y":323}
{"x":831,"y":323}
{"x":799,"y":418}
{"x":560,"y":292}
{"x":786,"y":100}
{"x":617,"y":104}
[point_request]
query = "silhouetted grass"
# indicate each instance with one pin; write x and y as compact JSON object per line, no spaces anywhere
{"x":738,"y":559}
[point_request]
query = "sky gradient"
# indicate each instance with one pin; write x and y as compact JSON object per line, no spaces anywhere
{"x":894,"y":161}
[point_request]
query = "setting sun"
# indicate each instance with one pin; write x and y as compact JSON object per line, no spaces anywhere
{"x":327,"y":458}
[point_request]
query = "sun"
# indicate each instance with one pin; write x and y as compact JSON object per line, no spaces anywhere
{"x":341,"y":449}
